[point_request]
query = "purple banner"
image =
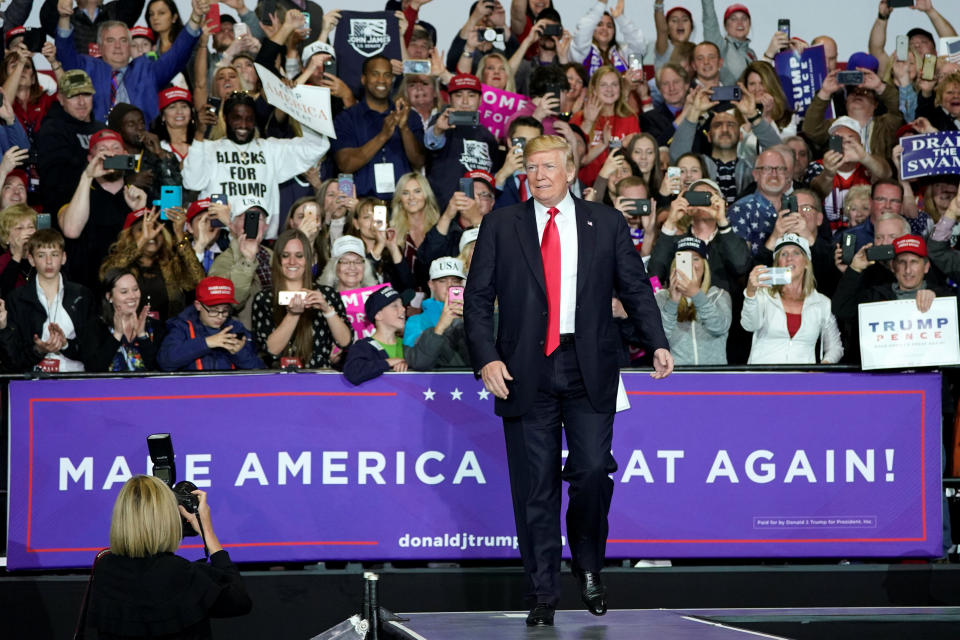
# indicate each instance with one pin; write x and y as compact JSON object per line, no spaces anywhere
{"x":930,"y":154}
{"x":305,"y":467}
{"x":801,"y":76}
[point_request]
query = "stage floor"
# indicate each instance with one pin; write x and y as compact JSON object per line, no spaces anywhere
{"x":669,"y":624}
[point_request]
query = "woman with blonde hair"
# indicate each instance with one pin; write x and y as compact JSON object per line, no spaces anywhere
{"x":17,"y":224}
{"x":787,"y":320}
{"x":856,"y":204}
{"x":494,"y":71}
{"x":606,"y":117}
{"x":141,"y":588}
{"x":164,"y":263}
{"x":760,"y":80}
{"x":414,"y":211}
{"x":696,"y":316}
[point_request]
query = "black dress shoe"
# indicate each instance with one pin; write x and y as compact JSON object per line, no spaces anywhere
{"x":593,"y":592}
{"x":541,"y":615}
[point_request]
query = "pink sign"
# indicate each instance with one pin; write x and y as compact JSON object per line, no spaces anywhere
{"x":353,"y":300}
{"x":497,"y":107}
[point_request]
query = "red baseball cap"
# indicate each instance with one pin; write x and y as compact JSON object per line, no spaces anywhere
{"x":102,"y":135}
{"x":480,"y":174}
{"x":132,"y":217}
{"x":143,"y":32}
{"x":910,"y":244}
{"x":173,"y":94}
{"x":215,"y":290}
{"x":684,"y":9}
{"x":733,"y":9}
{"x":464,"y":81}
{"x":196,"y":207}
{"x":13,"y":33}
{"x":18,"y":173}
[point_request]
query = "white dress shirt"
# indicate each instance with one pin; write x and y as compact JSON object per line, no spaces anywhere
{"x":566,"y":222}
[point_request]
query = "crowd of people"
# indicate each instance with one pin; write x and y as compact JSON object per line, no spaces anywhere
{"x":207,"y":229}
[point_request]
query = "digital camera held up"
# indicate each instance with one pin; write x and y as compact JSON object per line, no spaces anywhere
{"x":160,"y":446}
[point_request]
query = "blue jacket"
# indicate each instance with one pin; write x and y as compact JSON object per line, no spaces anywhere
{"x":422,"y":321}
{"x":143,"y":79}
{"x":366,"y":360}
{"x":185,"y":347}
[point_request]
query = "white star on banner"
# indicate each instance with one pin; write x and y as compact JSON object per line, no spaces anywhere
{"x":483,"y":393}
{"x":428,"y":394}
{"x":456,"y":393}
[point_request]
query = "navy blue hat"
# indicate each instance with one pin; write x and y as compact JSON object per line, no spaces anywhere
{"x":378,"y":300}
{"x":690,"y":243}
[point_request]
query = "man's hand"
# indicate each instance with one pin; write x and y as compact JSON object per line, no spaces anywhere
{"x":860,"y":262}
{"x":53,"y":344}
{"x":13,"y":157}
{"x":65,"y":7}
{"x":829,"y":86}
{"x":134,"y":196}
{"x":3,"y":314}
{"x":925,"y":298}
{"x":495,"y":377}
{"x":451,"y":311}
{"x":662,"y":364}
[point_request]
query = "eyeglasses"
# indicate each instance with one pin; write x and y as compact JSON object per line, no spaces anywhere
{"x":485,"y":196}
{"x":806,"y":208}
{"x":782,"y":170}
{"x":217,"y":313}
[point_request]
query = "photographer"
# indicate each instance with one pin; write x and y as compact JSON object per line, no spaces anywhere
{"x":142,"y":589}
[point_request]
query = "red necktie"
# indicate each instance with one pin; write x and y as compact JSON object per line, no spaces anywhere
{"x":114,"y":86}
{"x":550,"y":252}
{"x":523,"y":187}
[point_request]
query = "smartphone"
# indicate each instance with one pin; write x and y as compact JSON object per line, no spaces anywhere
{"x":848,"y":247}
{"x":345,"y":184}
{"x":240,"y":30}
{"x":953,"y":47}
{"x":465,"y":118}
{"x":218,"y":198}
{"x":565,"y":116}
{"x":306,"y":22}
{"x":380,"y":217}
{"x":697,"y":198}
{"x":330,"y":66}
{"x":93,"y":50}
{"x":213,"y":103}
{"x":284,"y":297}
{"x":788,"y":203}
{"x":615,"y":143}
{"x":213,"y":17}
{"x":416,"y":67}
{"x":929,"y":67}
{"x":684,"y":263}
{"x":896,"y":4}
{"x":43,"y":221}
{"x":170,"y":196}
{"x":455,"y":294}
{"x":881,"y":252}
{"x":783,"y":26}
{"x":517,"y":143}
{"x":776,"y":276}
{"x":251,"y":223}
{"x":552,"y":29}
{"x":34,"y":39}
{"x":725,"y":94}
{"x":903,"y":47}
{"x":836,"y":144}
{"x":311,"y":209}
{"x":850,"y":77}
{"x":641,"y":206}
{"x":555,"y":89}
{"x":122,"y":162}
{"x":674,"y":172}
{"x":466,"y":186}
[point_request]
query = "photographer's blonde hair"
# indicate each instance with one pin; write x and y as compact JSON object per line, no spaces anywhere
{"x":145,"y":520}
{"x":549,"y":143}
{"x":686,"y":310}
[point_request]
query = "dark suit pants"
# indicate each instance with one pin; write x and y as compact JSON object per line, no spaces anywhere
{"x":534,"y":458}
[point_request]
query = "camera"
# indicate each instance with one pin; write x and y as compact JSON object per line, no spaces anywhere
{"x":160,"y":447}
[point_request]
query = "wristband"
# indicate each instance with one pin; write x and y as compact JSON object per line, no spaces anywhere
{"x":329,"y":314}
{"x":880,"y":16}
{"x":466,"y":54}
{"x":756,"y":118}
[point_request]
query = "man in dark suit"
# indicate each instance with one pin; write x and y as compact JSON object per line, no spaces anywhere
{"x":553,"y":263}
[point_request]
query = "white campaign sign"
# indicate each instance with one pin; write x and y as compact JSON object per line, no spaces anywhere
{"x":306,"y":104}
{"x":895,"y":334}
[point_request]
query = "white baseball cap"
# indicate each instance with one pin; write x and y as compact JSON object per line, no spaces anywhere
{"x":468,"y":236}
{"x":792,"y":238}
{"x":848,"y":122}
{"x":446,"y":266}
{"x":314,"y":48}
{"x":348,"y":244}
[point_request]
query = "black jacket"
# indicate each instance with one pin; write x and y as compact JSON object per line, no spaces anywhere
{"x":85,"y":30}
{"x":62,"y":146}
{"x":26,"y":317}
{"x":164,"y":596}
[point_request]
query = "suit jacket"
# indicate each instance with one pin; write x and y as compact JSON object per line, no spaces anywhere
{"x":507,"y":267}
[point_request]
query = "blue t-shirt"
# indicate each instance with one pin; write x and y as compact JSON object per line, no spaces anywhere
{"x":422,"y":321}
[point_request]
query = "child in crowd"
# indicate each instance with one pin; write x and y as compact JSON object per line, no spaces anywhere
{"x":383,"y":351}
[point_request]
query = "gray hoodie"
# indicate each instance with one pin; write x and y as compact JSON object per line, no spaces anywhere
{"x":703,"y":341}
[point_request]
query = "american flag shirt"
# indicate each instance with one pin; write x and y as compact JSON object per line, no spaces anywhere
{"x":752,"y":218}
